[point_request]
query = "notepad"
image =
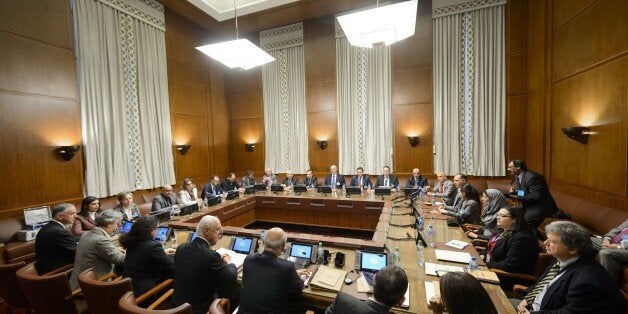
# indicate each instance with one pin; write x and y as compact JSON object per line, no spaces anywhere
{"x":457,"y":244}
{"x":458,"y":257}
{"x":328,"y":278}
{"x":439,"y":269}
{"x":236,"y":258}
{"x":431,"y":289}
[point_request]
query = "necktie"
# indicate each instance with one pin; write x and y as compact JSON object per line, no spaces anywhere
{"x":333,"y":180}
{"x":168,"y":201}
{"x":551,"y":274}
{"x":416,"y":183}
{"x":386,"y":182}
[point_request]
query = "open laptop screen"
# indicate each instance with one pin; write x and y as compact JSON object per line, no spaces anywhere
{"x":242,"y":245}
{"x":162,"y":234}
{"x":301,"y":250}
{"x":126,"y":227}
{"x":373,"y":261}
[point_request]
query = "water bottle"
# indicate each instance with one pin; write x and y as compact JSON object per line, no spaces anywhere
{"x":430,"y":236}
{"x":433,"y":202}
{"x":396,"y":257}
{"x":421,"y":223}
{"x":320,"y":254}
{"x":419,"y":253}
{"x":473,"y":264}
{"x":624,"y":242}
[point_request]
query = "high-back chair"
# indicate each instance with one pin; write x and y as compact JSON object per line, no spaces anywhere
{"x":128,"y":305}
{"x":102,"y":296}
{"x":219,"y":306}
{"x":46,"y":293}
{"x":10,"y":290}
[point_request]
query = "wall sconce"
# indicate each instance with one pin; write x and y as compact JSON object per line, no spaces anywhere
{"x":249,"y":147}
{"x":322,"y":144}
{"x":414,"y":140}
{"x":67,"y":152}
{"x":578,"y":133}
{"x":183,"y":148}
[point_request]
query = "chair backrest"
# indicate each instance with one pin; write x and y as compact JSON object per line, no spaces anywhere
{"x":128,"y":305}
{"x":219,"y":306}
{"x":47,"y":294}
{"x":542,"y":262}
{"x":10,"y":290}
{"x":102,"y":296}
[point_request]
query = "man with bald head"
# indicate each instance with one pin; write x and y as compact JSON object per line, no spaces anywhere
{"x":165,"y":200}
{"x":444,"y":188}
{"x":289,"y":181}
{"x":201,"y":272}
{"x":335,"y":179}
{"x":416,"y":180}
{"x":271,"y":284}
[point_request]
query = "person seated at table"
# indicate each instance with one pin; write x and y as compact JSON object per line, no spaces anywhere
{"x":212,"y":188}
{"x":127,"y":207}
{"x":444,"y":188}
{"x":467,"y":211}
{"x":146,"y":262}
{"x":230,"y":183}
{"x":492,"y":201}
{"x":387,"y":180}
{"x":460,"y":179}
{"x":200,"y":272}
{"x":54,"y":244}
{"x":269,"y":177}
{"x":416,"y":180}
{"x":248,"y":179}
{"x":361,"y":180}
{"x":96,"y":250}
{"x":514,"y":249}
{"x":310,"y":181}
{"x":289,"y":181}
{"x":335,"y":179}
{"x":271,"y":284}
{"x":461,"y":293}
{"x":165,"y":200}
{"x":86,"y":217}
{"x":390,"y":287}
{"x":188,"y":193}
{"x":612,"y":255}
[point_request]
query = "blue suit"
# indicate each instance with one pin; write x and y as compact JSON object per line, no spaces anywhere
{"x":366,"y":181}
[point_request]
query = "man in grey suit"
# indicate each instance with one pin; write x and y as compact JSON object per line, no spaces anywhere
{"x":165,"y":200}
{"x":248,"y":179}
{"x":269,"y":177}
{"x":95,"y":249}
{"x":460,"y":179}
{"x":612,"y":255}
{"x":444,"y":188}
{"x":390,"y":287}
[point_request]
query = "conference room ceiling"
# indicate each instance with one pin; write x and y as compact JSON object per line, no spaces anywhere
{"x":258,"y":15}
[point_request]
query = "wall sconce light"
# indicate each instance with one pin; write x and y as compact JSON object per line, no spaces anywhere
{"x":322,"y":144}
{"x":578,"y":133}
{"x":249,"y":147}
{"x":67,"y":152}
{"x":414,"y":140}
{"x":183,"y":148}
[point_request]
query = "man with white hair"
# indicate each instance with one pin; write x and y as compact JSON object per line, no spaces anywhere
{"x":271,"y":284}
{"x":269,"y":177}
{"x":444,"y":188}
{"x":289,"y":181}
{"x":201,"y":272}
{"x":335,"y":179}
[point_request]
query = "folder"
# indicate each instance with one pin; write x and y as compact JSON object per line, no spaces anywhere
{"x":327,"y":278}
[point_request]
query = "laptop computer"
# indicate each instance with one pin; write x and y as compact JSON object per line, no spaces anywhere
{"x":382,"y":191}
{"x":411,"y":191}
{"x":243,"y":245}
{"x":189,"y":208}
{"x":370,"y":263}
{"x":302,"y":254}
{"x":325,"y":189}
{"x":163,"y":233}
{"x":276,"y":188}
{"x":300,"y":188}
{"x":260,"y":187}
{"x":162,"y":215}
{"x":231,"y":195}
{"x":126,"y":227}
{"x":353,"y":190}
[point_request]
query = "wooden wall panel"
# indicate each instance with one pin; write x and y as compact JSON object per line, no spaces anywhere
{"x":219,"y":120}
{"x":597,"y":34}
{"x":515,"y":147}
{"x":247,"y":131}
{"x":413,"y":119}
{"x":191,"y":130}
{"x":565,"y":10}
{"x":323,"y":126}
{"x":321,"y":96}
{"x":184,"y":62}
{"x":516,"y":20}
{"x":412,"y":86}
{"x":47,"y":20}
{"x":246,"y":104}
{"x":515,"y":79}
{"x":416,"y":51}
{"x":320,"y":49}
{"x":187,"y":98}
{"x":237,"y":81}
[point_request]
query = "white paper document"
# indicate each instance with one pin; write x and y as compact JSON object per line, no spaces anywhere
{"x":439,"y":270}
{"x":236,"y":258}
{"x":457,"y":244}
{"x":429,"y":291}
{"x":458,"y":257}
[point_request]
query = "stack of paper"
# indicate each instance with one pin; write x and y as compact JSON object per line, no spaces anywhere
{"x":327,"y":278}
{"x":431,"y":289}
{"x":363,"y":286}
{"x":236,"y":258}
{"x":439,"y":269}
{"x":484,"y":275}
{"x":458,"y":257}
{"x":457,"y":244}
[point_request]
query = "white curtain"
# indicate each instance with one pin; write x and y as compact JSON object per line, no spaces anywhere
{"x":469,"y":88}
{"x":364,"y":106}
{"x":285,"y":113}
{"x":125,"y":115}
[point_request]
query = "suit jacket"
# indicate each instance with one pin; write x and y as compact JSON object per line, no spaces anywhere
{"x":269,"y":180}
{"x":613,"y":232}
{"x":310,"y":183}
{"x":340,"y":181}
{"x":583,"y":287}
{"x":95,"y":250}
{"x":54,"y":247}
{"x":135,"y":212}
{"x":246,"y":181}
{"x":516,"y":254}
{"x":466,"y":212}
{"x":449,"y":193}
{"x":160,"y":202}
{"x":229,"y":186}
{"x":421,"y":181}
{"x":287,"y":182}
{"x":269,"y":285}
{"x":393,"y":182}
{"x":344,"y":303}
{"x":537,"y":202}
{"x":199,"y":273}
{"x":366,"y":181}
{"x":81,"y":225}
{"x":210,"y":189}
{"x":146,"y":264}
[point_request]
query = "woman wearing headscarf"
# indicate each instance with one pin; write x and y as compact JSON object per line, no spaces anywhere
{"x":492,"y":200}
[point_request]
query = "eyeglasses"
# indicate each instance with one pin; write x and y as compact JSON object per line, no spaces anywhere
{"x":503,"y":216}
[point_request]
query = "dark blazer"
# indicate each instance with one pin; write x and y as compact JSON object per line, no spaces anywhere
{"x":147,"y":264}
{"x":344,"y":303}
{"x":465,"y":212}
{"x":583,"y":287}
{"x":210,"y":189}
{"x":269,"y":285}
{"x":537,"y":202}
{"x":54,"y":247}
{"x":310,"y":183}
{"x":227,"y":185}
{"x":366,"y":181}
{"x":287,"y":182}
{"x":421,"y":181}
{"x":393,"y":182}
{"x":340,"y":181}
{"x":516,"y":254}
{"x":246,"y":181}
{"x":199,"y":273}
{"x":160,"y":202}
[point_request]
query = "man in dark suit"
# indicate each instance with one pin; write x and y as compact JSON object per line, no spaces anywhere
{"x":310,"y":181}
{"x":230,"y":183}
{"x":54,"y":245}
{"x":289,"y":181}
{"x":271,"y":284}
{"x":575,"y":283}
{"x":390,"y":287}
{"x":248,"y":179}
{"x":416,"y":180}
{"x":212,"y":188}
{"x":460,"y":180}
{"x":612,"y":255}
{"x":360,"y":179}
{"x":334,"y":179}
{"x":201,"y":272}
{"x":531,"y":189}
{"x":165,"y":200}
{"x":387,"y":180}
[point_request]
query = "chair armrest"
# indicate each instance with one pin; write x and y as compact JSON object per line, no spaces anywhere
{"x":500,"y":272}
{"x":479,"y":248}
{"x":519,"y":291}
{"x":78,"y":293}
{"x":479,"y":242}
{"x":226,"y":304}
{"x":67,"y":269}
{"x":470,"y":227}
{"x":161,"y":300}
{"x":107,"y":276}
{"x":153,"y":291}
